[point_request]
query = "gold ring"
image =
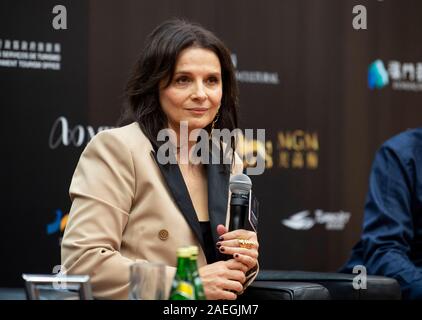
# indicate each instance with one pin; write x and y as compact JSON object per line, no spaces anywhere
{"x":247,"y":244}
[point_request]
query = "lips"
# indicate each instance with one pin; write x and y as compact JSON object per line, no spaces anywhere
{"x":198,"y":109}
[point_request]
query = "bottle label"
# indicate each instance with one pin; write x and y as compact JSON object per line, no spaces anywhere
{"x":186,"y":289}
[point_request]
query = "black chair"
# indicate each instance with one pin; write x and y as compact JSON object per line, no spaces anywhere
{"x":285,"y":290}
{"x":339,"y":285}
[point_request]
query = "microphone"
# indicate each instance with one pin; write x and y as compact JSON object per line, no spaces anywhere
{"x":240,"y":186}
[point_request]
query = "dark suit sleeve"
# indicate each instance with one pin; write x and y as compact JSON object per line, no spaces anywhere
{"x":388,"y":223}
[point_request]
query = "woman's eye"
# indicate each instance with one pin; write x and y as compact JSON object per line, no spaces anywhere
{"x":213,"y":80}
{"x":182,"y":80}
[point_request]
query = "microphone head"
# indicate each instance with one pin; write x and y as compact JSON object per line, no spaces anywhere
{"x":240,"y":183}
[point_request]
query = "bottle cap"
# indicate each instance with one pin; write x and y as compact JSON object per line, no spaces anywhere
{"x":184,"y":252}
{"x":193,"y":250}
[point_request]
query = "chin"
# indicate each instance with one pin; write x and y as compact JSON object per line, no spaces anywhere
{"x":198,"y":124}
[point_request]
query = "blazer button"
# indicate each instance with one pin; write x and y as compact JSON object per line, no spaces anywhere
{"x":163,"y":234}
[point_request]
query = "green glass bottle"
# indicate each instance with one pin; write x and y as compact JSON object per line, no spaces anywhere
{"x":182,"y":287}
{"x":196,"y":279}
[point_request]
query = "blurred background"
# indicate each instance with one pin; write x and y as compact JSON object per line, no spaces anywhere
{"x":327,"y":85}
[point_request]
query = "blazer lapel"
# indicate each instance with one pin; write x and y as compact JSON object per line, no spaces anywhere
{"x":218,"y":176}
{"x":177,"y":186}
{"x":218,"y":190}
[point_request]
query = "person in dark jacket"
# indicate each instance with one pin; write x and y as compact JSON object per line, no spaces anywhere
{"x":391,"y":240}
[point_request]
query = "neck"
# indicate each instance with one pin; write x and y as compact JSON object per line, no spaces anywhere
{"x":183,"y":143}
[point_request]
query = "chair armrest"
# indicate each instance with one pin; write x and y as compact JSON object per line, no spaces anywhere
{"x":340,"y":285}
{"x":285,"y":290}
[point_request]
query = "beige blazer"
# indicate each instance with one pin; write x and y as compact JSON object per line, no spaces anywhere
{"x":127,"y":207}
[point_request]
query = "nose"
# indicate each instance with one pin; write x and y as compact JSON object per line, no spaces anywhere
{"x":199,"y":92}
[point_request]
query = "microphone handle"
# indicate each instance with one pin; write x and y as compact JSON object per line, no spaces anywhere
{"x":239,"y":206}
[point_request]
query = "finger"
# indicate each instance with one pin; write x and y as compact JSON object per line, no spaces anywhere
{"x":246,"y":260}
{"x":233,"y":285}
{"x":237,"y":243}
{"x":232,"y":250}
{"x":219,"y":294}
{"x":227,"y":295}
{"x":236,"y":275}
{"x":235,"y":265}
{"x":239,"y":233}
{"x":221,"y":230}
{"x":228,"y":243}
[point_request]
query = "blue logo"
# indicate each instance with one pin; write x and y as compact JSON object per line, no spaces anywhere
{"x":377,"y":75}
{"x":58,"y":224}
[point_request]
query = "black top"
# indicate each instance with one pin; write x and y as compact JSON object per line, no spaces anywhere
{"x":209,"y":248}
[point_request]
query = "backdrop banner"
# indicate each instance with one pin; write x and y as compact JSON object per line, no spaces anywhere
{"x":326,"y":94}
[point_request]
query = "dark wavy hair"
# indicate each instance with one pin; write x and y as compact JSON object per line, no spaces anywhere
{"x":157,"y":62}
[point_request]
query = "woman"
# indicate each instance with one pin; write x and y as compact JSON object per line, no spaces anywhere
{"x":128,"y":206}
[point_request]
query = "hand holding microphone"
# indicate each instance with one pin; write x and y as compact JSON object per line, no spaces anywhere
{"x":237,"y":241}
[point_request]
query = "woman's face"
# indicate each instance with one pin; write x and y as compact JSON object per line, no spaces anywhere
{"x":195,"y":91}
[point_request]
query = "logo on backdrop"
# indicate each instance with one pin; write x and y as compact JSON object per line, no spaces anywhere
{"x":295,"y":149}
{"x":57,"y":225}
{"x":377,"y":75}
{"x":262,"y":77}
{"x":30,"y":54}
{"x":303,"y":220}
{"x":62,"y":133}
{"x":404,"y":76}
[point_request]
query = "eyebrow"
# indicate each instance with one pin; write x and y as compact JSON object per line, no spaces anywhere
{"x":214,"y":73}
